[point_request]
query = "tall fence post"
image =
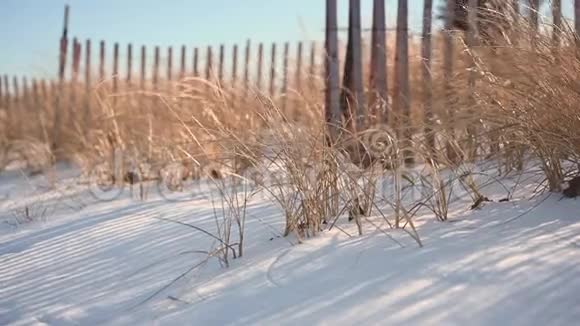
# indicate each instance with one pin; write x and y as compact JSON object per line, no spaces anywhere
{"x":156,"y":69}
{"x":8,"y":99}
{"x":221,"y":65}
{"x":284,"y":90}
{"x":234,"y":65}
{"x":61,"y":77}
{"x":87,"y":112}
{"x":16,"y":105}
{"x":143,"y":74}
{"x":260,"y":63}
{"x":195,"y":62}
{"x":378,"y":73}
{"x":115,"y":69}
{"x":426,"y":51}
{"x":169,"y":64}
{"x":129,"y":64}
{"x":76,"y":61}
{"x":182,"y":63}
{"x":208,"y":64}
{"x":448,"y":75}
{"x":102,"y":60}
{"x":332,"y":80}
{"x":273,"y":71}
{"x":312,"y":65}
{"x":247,"y":68}
{"x":557,"y":23}
{"x":353,"y":94}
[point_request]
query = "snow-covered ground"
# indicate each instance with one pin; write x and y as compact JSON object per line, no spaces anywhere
{"x":84,"y":261}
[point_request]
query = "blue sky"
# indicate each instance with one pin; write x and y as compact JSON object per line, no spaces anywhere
{"x":30,"y":29}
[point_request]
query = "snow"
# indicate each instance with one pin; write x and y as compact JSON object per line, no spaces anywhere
{"x":121,"y":262}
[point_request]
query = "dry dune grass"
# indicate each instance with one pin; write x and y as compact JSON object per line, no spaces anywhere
{"x":522,"y":107}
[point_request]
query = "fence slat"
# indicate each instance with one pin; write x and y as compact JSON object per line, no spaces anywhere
{"x":208,"y":64}
{"x":87,"y":114}
{"x":143,"y":75}
{"x":234,"y":65}
{"x":156,"y":69}
{"x":182,"y":64}
{"x":195,"y":62}
{"x":284,"y":89}
{"x":247,"y":68}
{"x":170,"y":63}
{"x":273,"y":70}
{"x":353,"y":96}
{"x":115,"y":68}
{"x":129,"y":63}
{"x":378,"y":73}
{"x":102,"y":60}
{"x":426,"y":51}
{"x":61,"y":77}
{"x":221,"y":65}
{"x":260,"y":63}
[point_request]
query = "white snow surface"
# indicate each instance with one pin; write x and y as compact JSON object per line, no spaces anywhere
{"x":90,"y":262}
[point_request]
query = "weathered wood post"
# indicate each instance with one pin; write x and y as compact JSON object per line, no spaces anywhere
{"x":471,"y":41}
{"x":426,"y":50}
{"x":129,"y":64}
{"x":448,"y":76}
{"x":16,"y":106}
{"x":284,"y":89}
{"x":156,"y":62}
{"x":208,"y":64}
{"x":234,"y":65}
{"x":102,"y":61}
{"x":87,"y":107}
{"x":378,"y":73}
{"x":353,"y":100}
{"x":273,"y":71}
{"x":259,"y":65}
{"x":115,"y":68}
{"x":557,"y":23}
{"x":169,"y":65}
{"x":182,"y":63}
{"x":61,"y":81}
{"x":247,"y":69}
{"x":332,"y":110}
{"x":143,"y":74}
{"x":402,"y":98}
{"x":195,"y":62}
{"x":312,"y":66}
{"x":221,"y":65}
{"x":74,"y":87}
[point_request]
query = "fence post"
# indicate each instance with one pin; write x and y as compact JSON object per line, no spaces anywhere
{"x":208,"y":64}
{"x":115,"y":68}
{"x":129,"y":63}
{"x":16,"y":105}
{"x":221,"y":65}
{"x":143,"y":74}
{"x":312,"y":66}
{"x":234,"y":65}
{"x":87,"y":114}
{"x":7,"y":99}
{"x":102,"y":60}
{"x":195,"y":62}
{"x":156,"y":70}
{"x":353,"y":95}
{"x":426,"y":51}
{"x":378,"y":73}
{"x":557,"y":23}
{"x":247,"y":69}
{"x":182,"y":64}
{"x":61,"y":77}
{"x":170,"y":63}
{"x":76,"y":58}
{"x":448,"y":75}
{"x":284,"y":90}
{"x":332,"y":80}
{"x":273,"y":71}
{"x":260,"y":63}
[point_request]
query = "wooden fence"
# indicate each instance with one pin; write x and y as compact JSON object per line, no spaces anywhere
{"x":277,"y":69}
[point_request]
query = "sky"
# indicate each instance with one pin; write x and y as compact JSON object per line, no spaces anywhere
{"x":30,"y":29}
